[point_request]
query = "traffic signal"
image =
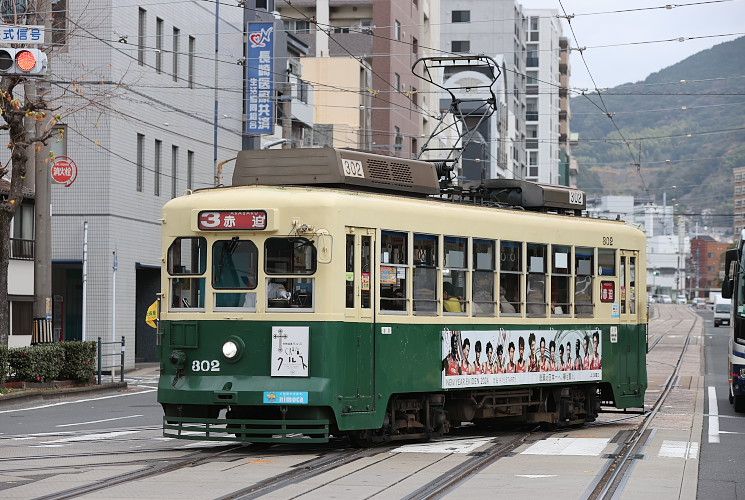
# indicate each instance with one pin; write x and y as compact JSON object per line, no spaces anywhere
{"x":22,"y":61}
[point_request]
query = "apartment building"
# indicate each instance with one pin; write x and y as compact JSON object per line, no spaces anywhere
{"x":388,"y":37}
{"x":138,"y":87}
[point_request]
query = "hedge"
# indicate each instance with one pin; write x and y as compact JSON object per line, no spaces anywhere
{"x":47,"y":362}
{"x":4,"y":353}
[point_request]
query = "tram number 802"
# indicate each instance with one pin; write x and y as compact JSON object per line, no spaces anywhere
{"x":205,"y":365}
{"x":607,"y":240}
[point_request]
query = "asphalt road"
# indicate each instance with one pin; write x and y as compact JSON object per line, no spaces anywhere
{"x":723,"y":440}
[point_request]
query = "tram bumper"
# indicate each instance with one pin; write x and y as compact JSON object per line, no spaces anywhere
{"x":227,"y":408}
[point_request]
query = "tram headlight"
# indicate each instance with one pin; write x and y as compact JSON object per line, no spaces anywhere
{"x":230,"y":349}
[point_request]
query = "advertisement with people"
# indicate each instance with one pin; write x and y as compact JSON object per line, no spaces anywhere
{"x":502,"y":357}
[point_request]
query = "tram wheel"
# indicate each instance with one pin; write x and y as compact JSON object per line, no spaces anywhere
{"x":361,"y":439}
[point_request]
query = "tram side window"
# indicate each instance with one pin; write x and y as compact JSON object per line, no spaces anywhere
{"x":632,"y":285}
{"x":560,"y":276}
{"x":482,"y":279}
{"x":290,"y":256}
{"x":510,"y":270}
{"x":187,"y":256}
{"x":583,"y":263}
{"x":235,"y":267}
{"x":349,"y":269}
{"x":536,"y":294}
{"x":454,"y":275}
{"x":393,"y":270}
{"x":606,"y":262}
{"x":425,"y":273}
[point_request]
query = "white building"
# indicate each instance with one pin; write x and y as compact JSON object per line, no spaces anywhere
{"x":140,"y":124}
{"x":528,"y":43}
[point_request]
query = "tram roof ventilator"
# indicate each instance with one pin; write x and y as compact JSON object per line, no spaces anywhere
{"x":340,"y":168}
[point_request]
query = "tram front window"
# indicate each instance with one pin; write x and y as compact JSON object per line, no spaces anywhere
{"x":235,"y":267}
{"x":288,"y":257}
{"x":187,"y":259}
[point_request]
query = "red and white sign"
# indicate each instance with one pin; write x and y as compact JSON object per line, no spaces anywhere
{"x":64,"y":170}
{"x":231,"y":220}
{"x":607,"y":291}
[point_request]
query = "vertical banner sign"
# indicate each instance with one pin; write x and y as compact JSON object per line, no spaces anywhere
{"x":260,"y":78}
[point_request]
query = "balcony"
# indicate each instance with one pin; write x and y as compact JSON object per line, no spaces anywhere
{"x":21,"y":249}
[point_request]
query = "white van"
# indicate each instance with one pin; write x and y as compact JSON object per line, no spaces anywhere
{"x":722,"y":311}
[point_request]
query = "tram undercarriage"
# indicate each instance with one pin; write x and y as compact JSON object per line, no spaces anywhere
{"x":421,"y":417}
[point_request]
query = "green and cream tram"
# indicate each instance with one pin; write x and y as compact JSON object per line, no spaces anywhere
{"x":334,"y":292}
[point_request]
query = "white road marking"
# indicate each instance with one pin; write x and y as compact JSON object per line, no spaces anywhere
{"x":678,"y":449}
{"x":99,"y":421}
{"x":568,"y":446}
{"x":92,"y":437}
{"x":453,"y":446}
{"x":713,"y":416}
{"x":535,"y":476}
{"x":77,"y":401}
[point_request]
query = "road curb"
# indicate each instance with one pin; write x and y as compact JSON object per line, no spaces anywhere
{"x":45,"y":395}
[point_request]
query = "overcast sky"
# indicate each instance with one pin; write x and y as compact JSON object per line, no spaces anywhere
{"x":634,"y":61}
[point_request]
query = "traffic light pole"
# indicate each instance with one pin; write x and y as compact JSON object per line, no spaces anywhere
{"x":43,"y":194}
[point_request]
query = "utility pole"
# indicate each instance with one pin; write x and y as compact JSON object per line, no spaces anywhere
{"x":43,"y":193}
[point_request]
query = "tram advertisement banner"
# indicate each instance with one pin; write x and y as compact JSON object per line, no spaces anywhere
{"x":514,"y":357}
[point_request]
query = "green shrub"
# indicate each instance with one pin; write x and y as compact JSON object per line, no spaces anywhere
{"x":3,"y":363}
{"x":79,"y":362}
{"x":37,"y":363}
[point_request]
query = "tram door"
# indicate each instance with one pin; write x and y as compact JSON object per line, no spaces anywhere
{"x":359,"y":280}
{"x":629,"y":337}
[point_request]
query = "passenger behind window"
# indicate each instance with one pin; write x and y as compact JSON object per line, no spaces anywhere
{"x":504,"y":304}
{"x":451,"y":302}
{"x":536,"y":297}
{"x":277,"y":293}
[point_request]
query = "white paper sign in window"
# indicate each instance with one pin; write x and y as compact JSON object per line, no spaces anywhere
{"x":290,"y":354}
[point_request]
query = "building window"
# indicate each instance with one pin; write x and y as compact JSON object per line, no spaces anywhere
{"x":176,"y":48}
{"x":398,"y":82}
{"x":460,"y":46}
{"x":298,"y":26}
{"x":532,"y":163}
{"x":21,"y":317}
{"x":189,"y":169}
{"x":141,"y":34}
{"x":59,"y":22}
{"x":192,"y":51}
{"x":461,"y":16}
{"x":174,"y":170}
{"x":531,"y":110}
{"x":532,"y":60}
{"x":397,"y":31}
{"x":158,"y":148}
{"x":140,"y":160}
{"x":265,"y":4}
{"x":399,"y":140}
{"x":158,"y":45}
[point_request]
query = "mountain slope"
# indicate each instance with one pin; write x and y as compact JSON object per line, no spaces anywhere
{"x":684,"y":126}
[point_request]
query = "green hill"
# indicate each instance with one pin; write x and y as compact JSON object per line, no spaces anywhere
{"x":684,"y":126}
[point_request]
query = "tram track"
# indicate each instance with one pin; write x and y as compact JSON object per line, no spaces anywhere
{"x":191,"y":460}
{"x":615,"y":470}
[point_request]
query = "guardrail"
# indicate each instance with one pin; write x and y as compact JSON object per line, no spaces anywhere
{"x":113,"y":354}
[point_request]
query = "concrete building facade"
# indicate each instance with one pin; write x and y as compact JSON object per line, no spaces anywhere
{"x":141,"y":128}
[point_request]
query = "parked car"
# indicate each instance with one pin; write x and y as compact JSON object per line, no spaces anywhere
{"x":665,"y":299}
{"x":681,"y":299}
{"x":699,"y":303}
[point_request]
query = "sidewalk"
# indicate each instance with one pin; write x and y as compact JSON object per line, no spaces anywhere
{"x":25,"y":396}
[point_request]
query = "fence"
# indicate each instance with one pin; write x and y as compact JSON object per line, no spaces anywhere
{"x":111,"y":367}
